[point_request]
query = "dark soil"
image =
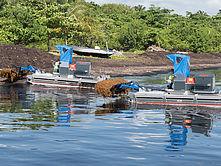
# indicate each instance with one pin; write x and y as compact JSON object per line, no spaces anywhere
{"x":144,"y":64}
{"x":20,"y":56}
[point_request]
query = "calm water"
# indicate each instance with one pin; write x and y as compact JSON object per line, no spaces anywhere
{"x":61,"y":127}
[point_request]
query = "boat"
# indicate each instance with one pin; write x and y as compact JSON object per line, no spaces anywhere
{"x":95,"y":52}
{"x":68,"y":74}
{"x":197,"y":90}
{"x":174,"y":98}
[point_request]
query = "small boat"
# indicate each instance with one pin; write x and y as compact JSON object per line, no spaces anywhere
{"x":67,"y":74}
{"x":95,"y":52}
{"x":197,"y":90}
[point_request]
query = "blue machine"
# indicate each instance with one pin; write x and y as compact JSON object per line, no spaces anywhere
{"x":29,"y":68}
{"x":181,"y":64}
{"x":64,"y":66}
{"x":65,"y":53}
{"x":131,"y":85}
{"x":121,"y":87}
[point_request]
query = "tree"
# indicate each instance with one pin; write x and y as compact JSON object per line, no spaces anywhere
{"x":139,"y":8}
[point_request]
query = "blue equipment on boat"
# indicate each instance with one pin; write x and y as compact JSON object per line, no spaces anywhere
{"x":122,"y":87}
{"x":131,"y":85}
{"x":65,"y":53}
{"x":181,"y":64}
{"x":29,"y":68}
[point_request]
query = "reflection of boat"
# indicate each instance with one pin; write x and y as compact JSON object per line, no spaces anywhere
{"x":68,"y":74}
{"x":179,"y":120}
{"x":97,"y":52}
{"x":188,"y":91}
{"x":198,"y":121}
{"x":178,"y":137}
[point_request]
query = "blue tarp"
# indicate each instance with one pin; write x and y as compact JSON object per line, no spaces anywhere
{"x":65,"y":53}
{"x":181,"y":64}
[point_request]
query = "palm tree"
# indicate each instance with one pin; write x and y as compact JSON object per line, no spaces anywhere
{"x":77,"y":12}
{"x":139,"y":8}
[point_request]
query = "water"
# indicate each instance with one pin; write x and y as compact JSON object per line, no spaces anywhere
{"x":52,"y":126}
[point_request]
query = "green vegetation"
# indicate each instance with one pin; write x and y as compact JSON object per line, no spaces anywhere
{"x":45,"y":23}
{"x":118,"y":58}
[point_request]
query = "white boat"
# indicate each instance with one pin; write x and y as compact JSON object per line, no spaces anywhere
{"x":68,"y":75}
{"x":96,"y":52}
{"x":197,"y":90}
{"x":54,"y":79}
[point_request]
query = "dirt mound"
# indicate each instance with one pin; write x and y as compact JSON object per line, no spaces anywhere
{"x":156,"y":58}
{"x":159,"y":58}
{"x":20,"y":56}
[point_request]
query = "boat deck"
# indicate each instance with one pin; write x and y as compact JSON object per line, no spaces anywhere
{"x":175,"y":98}
{"x":49,"y":79}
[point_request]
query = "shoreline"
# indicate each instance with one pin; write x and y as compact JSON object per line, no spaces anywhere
{"x":150,"y":70}
{"x":143,"y":70}
{"x":148,"y":63}
{"x":154,"y":71}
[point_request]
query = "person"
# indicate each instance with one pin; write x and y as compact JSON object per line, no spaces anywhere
{"x":170,"y":80}
{"x":56,"y":66}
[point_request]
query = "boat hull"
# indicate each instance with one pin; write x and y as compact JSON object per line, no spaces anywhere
{"x":48,"y":79}
{"x":92,"y":52}
{"x":143,"y":99}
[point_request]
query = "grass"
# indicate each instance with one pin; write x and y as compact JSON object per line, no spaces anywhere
{"x":118,"y":57}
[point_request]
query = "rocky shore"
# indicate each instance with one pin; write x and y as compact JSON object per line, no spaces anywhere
{"x":150,"y":62}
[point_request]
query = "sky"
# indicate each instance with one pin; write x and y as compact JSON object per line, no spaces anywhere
{"x":211,"y":7}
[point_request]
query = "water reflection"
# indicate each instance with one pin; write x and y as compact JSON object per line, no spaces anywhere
{"x":180,"y":120}
{"x":37,"y":108}
{"x":68,"y":110}
{"x":178,"y":135}
{"x":199,"y":121}
{"x":25,"y":107}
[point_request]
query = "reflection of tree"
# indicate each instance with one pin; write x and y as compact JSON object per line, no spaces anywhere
{"x":33,"y":118}
{"x":36,"y":108}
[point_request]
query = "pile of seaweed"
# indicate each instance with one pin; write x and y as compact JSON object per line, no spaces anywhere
{"x":13,"y":74}
{"x":111,"y":87}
